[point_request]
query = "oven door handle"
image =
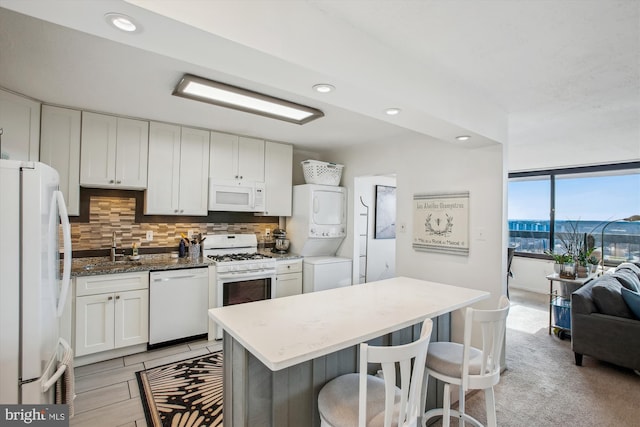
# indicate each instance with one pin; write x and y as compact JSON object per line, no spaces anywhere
{"x":240,"y":276}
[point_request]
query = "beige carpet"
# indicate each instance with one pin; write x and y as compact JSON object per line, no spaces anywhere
{"x":542,"y":386}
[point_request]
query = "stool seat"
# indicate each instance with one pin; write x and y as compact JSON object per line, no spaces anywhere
{"x":446,"y":358}
{"x":338,"y":401}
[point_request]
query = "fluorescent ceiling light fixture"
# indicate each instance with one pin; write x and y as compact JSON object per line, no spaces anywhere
{"x":123,"y":22}
{"x":392,"y":111}
{"x":224,"y":95}
{"x":463,"y":138}
{"x":324,"y":87}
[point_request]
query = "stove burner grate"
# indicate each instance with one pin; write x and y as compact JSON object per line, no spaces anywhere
{"x":238,"y":257}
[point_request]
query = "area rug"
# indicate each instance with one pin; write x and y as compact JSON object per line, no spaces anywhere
{"x":187,"y":393}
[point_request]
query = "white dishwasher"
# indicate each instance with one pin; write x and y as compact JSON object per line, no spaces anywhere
{"x":178,"y":304}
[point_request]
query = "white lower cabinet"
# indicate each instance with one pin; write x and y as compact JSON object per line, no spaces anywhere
{"x":288,"y":277}
{"x":111,"y":311}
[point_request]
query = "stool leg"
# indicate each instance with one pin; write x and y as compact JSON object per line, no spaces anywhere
{"x":423,"y":399}
{"x":461,"y":404}
{"x":490,"y":403}
{"x":446,"y":406}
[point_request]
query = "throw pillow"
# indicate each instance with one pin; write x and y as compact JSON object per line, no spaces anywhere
{"x":607,"y":296}
{"x":629,"y":266}
{"x":633,"y":301}
{"x":628,"y":279}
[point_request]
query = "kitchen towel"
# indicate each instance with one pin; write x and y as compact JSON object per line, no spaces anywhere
{"x":65,"y":391}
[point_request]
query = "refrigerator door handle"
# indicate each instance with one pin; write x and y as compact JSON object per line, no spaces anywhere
{"x":66,"y":235}
{"x":66,"y":348}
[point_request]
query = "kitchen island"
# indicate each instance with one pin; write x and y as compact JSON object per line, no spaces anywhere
{"x":279,"y":353}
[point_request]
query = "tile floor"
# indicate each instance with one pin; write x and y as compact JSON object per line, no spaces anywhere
{"x":108,"y":395}
{"x":107,"y":392}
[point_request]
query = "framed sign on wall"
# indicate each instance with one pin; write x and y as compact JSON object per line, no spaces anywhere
{"x":441,"y":222}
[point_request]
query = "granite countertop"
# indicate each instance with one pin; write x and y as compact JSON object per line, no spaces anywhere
{"x":92,"y":266}
{"x":283,"y":332}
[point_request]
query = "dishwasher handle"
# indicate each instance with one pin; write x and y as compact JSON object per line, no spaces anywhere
{"x":166,"y":279}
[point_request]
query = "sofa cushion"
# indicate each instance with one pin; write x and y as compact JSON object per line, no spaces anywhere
{"x":633,"y":301}
{"x":607,"y":296}
{"x":628,"y":279}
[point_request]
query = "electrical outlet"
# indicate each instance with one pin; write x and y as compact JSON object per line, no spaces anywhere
{"x":190,"y":233}
{"x":267,"y":232}
{"x":149,"y":235}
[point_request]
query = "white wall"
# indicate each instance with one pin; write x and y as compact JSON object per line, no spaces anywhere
{"x":423,"y":164}
{"x":380,"y":253}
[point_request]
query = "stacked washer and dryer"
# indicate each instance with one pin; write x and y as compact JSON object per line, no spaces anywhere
{"x":316,"y":228}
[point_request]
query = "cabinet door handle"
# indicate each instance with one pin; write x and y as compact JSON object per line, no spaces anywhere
{"x":176,"y":211}
{"x":118,"y":182}
{"x":117,"y":296}
{"x":181,"y":210}
{"x":111,"y":181}
{"x":109,"y":299}
{"x":240,"y":176}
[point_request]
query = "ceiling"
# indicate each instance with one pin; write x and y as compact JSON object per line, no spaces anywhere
{"x":523,"y":72}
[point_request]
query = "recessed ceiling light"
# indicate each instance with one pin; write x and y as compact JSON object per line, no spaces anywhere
{"x":324,"y":87}
{"x":463,"y":138}
{"x":392,"y":111}
{"x":224,"y":95}
{"x":123,"y":22}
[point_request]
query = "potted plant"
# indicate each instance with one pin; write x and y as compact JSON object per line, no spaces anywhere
{"x":559,"y":260}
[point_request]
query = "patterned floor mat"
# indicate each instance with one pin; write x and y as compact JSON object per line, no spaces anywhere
{"x":186,"y":393}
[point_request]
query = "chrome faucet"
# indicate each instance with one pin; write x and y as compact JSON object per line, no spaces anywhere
{"x":113,"y":248}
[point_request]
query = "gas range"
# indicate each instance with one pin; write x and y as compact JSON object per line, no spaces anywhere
{"x":237,"y":254}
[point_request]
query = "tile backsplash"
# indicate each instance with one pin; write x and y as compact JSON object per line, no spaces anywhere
{"x":108,"y":214}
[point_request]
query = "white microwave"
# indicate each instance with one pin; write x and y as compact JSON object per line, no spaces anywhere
{"x":236,"y":196}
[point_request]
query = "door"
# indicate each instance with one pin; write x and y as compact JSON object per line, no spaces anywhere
{"x":132,"y":150}
{"x":328,"y":207}
{"x":60,"y":149}
{"x":250,"y":159}
{"x":278,"y":178}
{"x":223,"y":161}
{"x":161,"y":197}
{"x":94,"y":323}
{"x":194,"y":170}
{"x":131,"y":317}
{"x":20,"y":121}
{"x":98,"y":149}
{"x":288,"y":284}
{"x":39,"y":266}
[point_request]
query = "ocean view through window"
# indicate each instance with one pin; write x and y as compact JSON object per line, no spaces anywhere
{"x":543,"y":206}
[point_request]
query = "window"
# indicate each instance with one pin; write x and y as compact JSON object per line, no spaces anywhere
{"x":544,"y":205}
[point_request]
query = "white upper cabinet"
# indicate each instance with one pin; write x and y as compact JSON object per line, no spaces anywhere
{"x":20,"y":124}
{"x":278,"y":178}
{"x":194,"y":169}
{"x":236,"y":158}
{"x":178,"y":170}
{"x":114,"y":152}
{"x":60,"y":149}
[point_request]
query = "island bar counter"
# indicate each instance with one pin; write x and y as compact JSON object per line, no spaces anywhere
{"x":278,"y":353}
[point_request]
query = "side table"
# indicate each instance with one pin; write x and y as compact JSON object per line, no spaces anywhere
{"x":575,"y":284}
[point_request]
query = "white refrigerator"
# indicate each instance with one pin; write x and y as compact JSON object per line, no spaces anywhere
{"x":32,"y":293}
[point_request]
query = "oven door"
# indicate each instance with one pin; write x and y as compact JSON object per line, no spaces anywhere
{"x":243,"y":289}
